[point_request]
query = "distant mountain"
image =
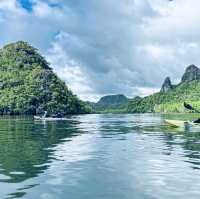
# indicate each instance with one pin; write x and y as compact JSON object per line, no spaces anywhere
{"x":110,"y":103}
{"x":171,"y":97}
{"x":167,"y":85}
{"x":29,"y":86}
{"x":192,"y":73}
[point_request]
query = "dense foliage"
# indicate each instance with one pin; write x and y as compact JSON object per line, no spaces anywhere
{"x":170,"y":101}
{"x":29,"y":86}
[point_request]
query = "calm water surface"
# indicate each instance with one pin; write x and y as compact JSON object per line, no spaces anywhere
{"x":98,"y":157}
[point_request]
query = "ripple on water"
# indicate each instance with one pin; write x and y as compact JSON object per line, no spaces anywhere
{"x":98,"y":156}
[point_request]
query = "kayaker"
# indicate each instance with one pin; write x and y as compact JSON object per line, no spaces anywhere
{"x":197,"y":121}
{"x":189,"y":107}
{"x":45,"y":114}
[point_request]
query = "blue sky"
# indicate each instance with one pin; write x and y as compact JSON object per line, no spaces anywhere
{"x":27,"y":4}
{"x":108,"y":47}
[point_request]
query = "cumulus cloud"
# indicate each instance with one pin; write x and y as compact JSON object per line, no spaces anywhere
{"x":71,"y":72}
{"x":108,"y":47}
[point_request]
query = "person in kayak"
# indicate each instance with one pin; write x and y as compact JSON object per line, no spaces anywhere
{"x":189,"y":107}
{"x":197,"y":121}
{"x":45,"y":115}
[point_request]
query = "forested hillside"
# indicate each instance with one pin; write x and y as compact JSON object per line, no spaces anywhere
{"x":29,"y":86}
{"x":171,"y":97}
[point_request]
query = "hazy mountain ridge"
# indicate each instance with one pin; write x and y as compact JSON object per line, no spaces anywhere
{"x":110,"y":103}
{"x":112,"y":100}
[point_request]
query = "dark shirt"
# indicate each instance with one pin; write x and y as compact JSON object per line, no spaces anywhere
{"x":197,"y":121}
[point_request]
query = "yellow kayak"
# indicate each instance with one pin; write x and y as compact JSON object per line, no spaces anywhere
{"x":180,"y":123}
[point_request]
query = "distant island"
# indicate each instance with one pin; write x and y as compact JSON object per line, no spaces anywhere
{"x":29,"y":86}
{"x":169,"y":100}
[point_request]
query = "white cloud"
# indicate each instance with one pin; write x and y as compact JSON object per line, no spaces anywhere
{"x":41,"y":9}
{"x":177,"y":20}
{"x":108,"y":47}
{"x":11,"y":6}
{"x":157,"y":52}
{"x":146,"y":91}
{"x":70,"y":71}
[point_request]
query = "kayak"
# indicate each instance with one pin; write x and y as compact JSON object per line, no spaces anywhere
{"x":49,"y":118}
{"x":180,"y":123}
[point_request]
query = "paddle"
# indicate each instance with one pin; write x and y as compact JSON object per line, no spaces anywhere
{"x":189,"y":107}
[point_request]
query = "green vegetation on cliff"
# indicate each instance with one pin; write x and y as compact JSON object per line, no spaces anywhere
{"x":29,"y":86}
{"x":171,"y":98}
{"x":171,"y":101}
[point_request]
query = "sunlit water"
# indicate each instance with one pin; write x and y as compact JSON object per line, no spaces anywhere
{"x":98,"y":157}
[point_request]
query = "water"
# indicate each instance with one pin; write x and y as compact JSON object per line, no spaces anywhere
{"x":98,"y":157}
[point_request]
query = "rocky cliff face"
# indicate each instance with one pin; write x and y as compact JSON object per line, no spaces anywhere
{"x":192,"y":73}
{"x":167,"y":85}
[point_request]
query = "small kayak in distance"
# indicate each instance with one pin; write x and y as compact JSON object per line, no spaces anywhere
{"x":181,"y":123}
{"x":48,"y":118}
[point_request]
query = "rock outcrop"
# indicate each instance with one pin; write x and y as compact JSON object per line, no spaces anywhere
{"x":192,"y":73}
{"x":167,"y":85}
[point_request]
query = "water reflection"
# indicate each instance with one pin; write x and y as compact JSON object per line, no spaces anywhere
{"x":188,"y":139}
{"x":86,"y":154}
{"x":26,"y":148}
